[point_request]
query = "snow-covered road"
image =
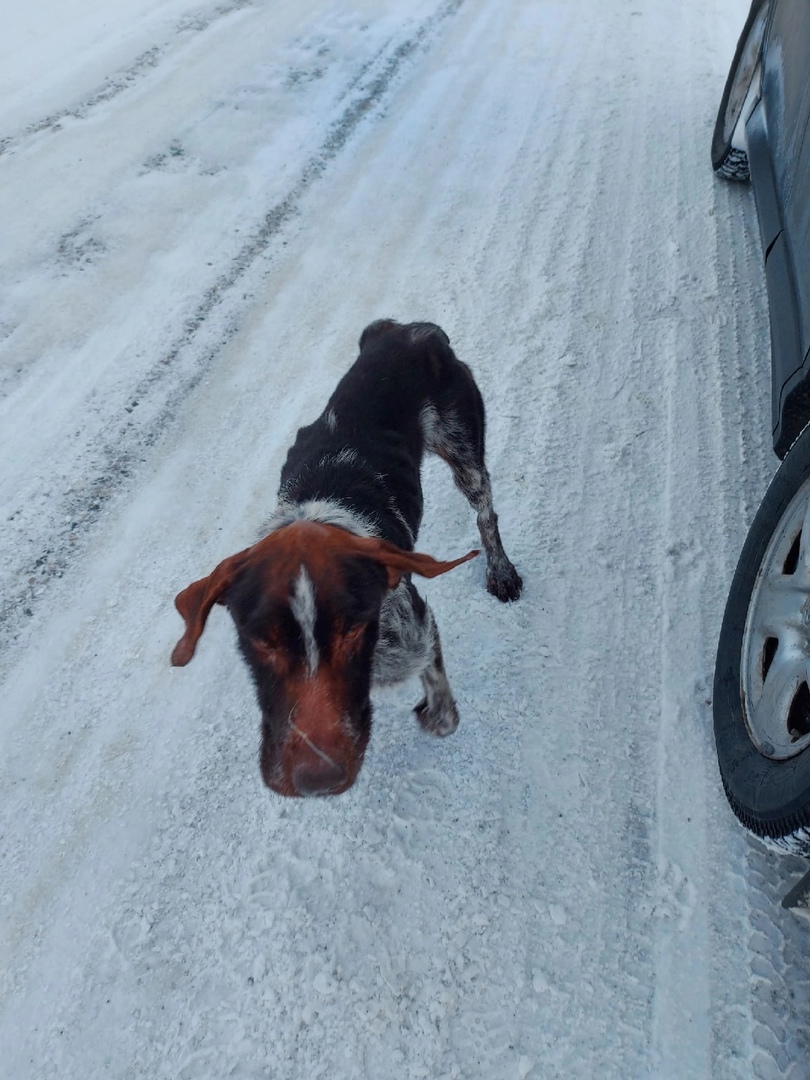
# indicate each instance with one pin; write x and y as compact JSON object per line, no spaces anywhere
{"x":202,"y":205}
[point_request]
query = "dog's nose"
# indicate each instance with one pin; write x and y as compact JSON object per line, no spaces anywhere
{"x":318,"y":778}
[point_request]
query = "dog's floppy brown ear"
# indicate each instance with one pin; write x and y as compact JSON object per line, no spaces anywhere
{"x":396,"y":561}
{"x":195,"y":602}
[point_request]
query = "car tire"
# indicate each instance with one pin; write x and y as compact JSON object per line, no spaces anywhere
{"x":729,"y":155}
{"x":761,"y":700}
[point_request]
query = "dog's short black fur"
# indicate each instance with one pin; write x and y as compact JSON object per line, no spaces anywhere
{"x":406,"y":393}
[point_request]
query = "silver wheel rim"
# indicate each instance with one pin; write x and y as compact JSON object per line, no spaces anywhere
{"x":775,"y":669}
{"x":744,"y":74}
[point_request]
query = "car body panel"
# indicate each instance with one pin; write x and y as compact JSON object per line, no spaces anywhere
{"x":797,"y":224}
{"x":790,"y":391}
{"x":786,"y":88}
{"x":779,"y":159}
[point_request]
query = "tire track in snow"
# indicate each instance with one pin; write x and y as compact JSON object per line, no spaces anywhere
{"x":626,"y":279}
{"x":122,"y":80}
{"x":606,"y":603}
{"x":588,"y":983}
{"x":656,"y":989}
{"x":692,"y":990}
{"x":778,"y":943}
{"x":120,"y":452}
{"x":579,"y":966}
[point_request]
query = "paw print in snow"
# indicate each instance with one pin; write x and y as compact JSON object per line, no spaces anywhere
{"x":675,"y":894}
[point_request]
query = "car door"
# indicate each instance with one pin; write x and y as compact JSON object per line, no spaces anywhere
{"x":782,"y":152}
{"x":797,"y":225}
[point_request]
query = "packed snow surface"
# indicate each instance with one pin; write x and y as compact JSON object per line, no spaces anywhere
{"x":202,"y":206}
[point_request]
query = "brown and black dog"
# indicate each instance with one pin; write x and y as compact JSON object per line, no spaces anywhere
{"x":324,"y":605}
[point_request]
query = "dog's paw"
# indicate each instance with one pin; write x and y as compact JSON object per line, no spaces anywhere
{"x":506,"y":583}
{"x":437,"y":721}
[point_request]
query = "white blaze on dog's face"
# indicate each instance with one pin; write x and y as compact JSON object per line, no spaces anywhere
{"x":302,"y":605}
{"x":308,"y":627}
{"x":306,"y":602}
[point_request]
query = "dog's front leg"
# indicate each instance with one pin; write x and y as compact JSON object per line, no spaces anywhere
{"x":436,"y":712}
{"x":473,"y":480}
{"x":503,"y":580}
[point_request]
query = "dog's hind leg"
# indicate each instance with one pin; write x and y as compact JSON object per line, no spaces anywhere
{"x":436,"y":712}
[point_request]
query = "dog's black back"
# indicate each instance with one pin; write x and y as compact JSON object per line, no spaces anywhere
{"x":406,"y":392}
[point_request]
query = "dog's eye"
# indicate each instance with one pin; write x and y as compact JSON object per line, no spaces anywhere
{"x":267,"y":652}
{"x":349,"y":639}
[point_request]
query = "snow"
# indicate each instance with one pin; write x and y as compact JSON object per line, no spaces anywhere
{"x":202,"y":206}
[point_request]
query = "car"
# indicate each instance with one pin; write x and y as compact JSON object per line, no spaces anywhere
{"x":761,"y":697}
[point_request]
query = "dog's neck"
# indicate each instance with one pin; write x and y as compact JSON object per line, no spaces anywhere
{"x":324,"y":511}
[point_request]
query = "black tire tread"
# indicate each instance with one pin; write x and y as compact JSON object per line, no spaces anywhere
{"x":734,"y":166}
{"x":789,"y":835}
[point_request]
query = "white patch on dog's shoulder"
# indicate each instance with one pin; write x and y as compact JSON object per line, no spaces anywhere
{"x":330,"y":419}
{"x":324,"y":511}
{"x":302,"y":605}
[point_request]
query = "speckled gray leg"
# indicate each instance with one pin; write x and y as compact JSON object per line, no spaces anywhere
{"x":436,"y":712}
{"x":462,"y":447}
{"x":503,"y":580}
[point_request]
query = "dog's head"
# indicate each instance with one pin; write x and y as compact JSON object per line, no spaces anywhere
{"x":306,"y":602}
